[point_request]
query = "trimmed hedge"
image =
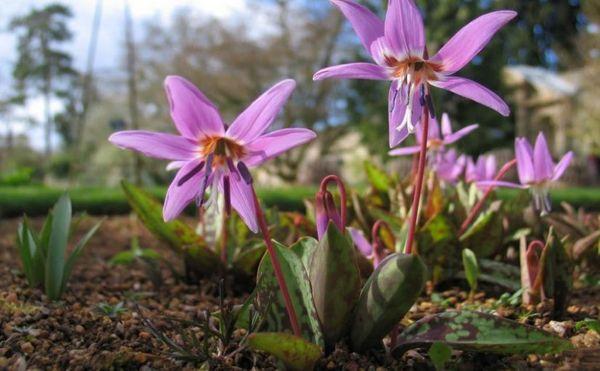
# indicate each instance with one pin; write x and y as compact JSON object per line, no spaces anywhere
{"x":37,"y":200}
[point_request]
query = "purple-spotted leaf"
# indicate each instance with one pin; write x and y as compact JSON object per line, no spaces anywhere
{"x":305,"y":248}
{"x":180,"y":237}
{"x":270,"y":300}
{"x":295,"y":352}
{"x":385,"y":298}
{"x":335,"y":282}
{"x":479,"y":332}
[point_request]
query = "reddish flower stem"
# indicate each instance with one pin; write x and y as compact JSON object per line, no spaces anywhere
{"x":419,"y":185}
{"x":262,"y":222}
{"x":342,"y":190}
{"x":477,"y":208}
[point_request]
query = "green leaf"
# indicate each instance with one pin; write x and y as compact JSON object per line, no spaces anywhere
{"x":478,"y":332}
{"x":385,"y":298}
{"x":295,"y":353}
{"x":438,"y":245}
{"x":26,"y":247}
{"x":439,"y":353}
{"x":44,"y":240}
{"x":486,"y":234}
{"x":499,"y":273}
{"x":592,"y":324}
{"x":77,"y":252}
{"x":471,"y":268}
{"x":270,"y":300}
{"x":123,"y":258}
{"x":305,"y":247}
{"x":378,"y":178}
{"x":180,"y":237}
{"x":334,"y":262}
{"x":57,"y":246}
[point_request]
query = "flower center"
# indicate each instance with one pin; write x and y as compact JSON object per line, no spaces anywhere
{"x":435,"y":143}
{"x":410,"y":73}
{"x":222,"y":148}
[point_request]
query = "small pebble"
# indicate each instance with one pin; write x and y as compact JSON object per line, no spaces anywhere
{"x":79,"y":329}
{"x":26,"y":347}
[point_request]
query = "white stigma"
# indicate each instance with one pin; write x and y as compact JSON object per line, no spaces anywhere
{"x":407,"y":120}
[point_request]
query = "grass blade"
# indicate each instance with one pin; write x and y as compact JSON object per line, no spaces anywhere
{"x":57,"y":246}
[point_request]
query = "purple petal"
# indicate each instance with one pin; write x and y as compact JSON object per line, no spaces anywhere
{"x":360,"y":242}
{"x":471,"y":174}
{"x":543,"y":165}
{"x":523,"y":153}
{"x":158,"y":145}
{"x":432,"y":133}
{"x":499,"y":183}
{"x":471,"y":39}
{"x":242,"y":200}
{"x":472,"y":90}
{"x":261,"y":113}
{"x":451,"y":138}
{"x":179,"y":196}
{"x":367,"y":25}
{"x":397,"y":102}
{"x":365,"y":71}
{"x":193,"y":114}
{"x":404,"y":29}
{"x":275,"y":143}
{"x":490,"y":167}
{"x":562,"y":165}
{"x":446,"y":125}
{"x":405,"y":151}
{"x":174,"y":165}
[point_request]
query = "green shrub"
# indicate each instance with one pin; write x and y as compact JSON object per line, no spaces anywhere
{"x":18,"y":177}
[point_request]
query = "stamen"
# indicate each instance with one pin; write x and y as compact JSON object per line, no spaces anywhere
{"x":232,"y":169}
{"x":209,"y":162}
{"x":244,"y":172}
{"x":189,"y":175}
{"x":227,"y":194}
{"x":430,"y":107}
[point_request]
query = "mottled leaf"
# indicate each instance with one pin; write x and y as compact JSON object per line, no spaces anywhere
{"x":334,"y":262}
{"x":385,"y":298}
{"x":179,"y":236}
{"x":305,"y":248}
{"x":485,"y":235}
{"x":438,"y":245}
{"x":295,"y":353}
{"x":499,"y":273}
{"x":270,"y":300}
{"x":479,"y":332}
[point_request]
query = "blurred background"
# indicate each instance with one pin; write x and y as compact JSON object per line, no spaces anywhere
{"x":74,"y":71}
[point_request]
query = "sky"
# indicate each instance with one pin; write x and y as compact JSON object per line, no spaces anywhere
{"x":109,"y":55}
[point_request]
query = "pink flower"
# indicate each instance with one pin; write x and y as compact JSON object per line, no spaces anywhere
{"x":436,"y":140}
{"x":536,"y":170}
{"x":397,"y":45}
{"x":483,"y":169}
{"x":209,"y":154}
{"x":448,"y":165}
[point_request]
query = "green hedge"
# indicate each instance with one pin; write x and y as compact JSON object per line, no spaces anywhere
{"x":36,"y":200}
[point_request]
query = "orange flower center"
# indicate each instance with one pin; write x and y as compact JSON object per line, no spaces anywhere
{"x":421,"y":70}
{"x":222,"y":149}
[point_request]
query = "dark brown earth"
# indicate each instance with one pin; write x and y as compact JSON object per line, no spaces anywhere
{"x":74,"y":334}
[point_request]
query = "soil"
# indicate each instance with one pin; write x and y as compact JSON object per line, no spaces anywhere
{"x":75,"y":333}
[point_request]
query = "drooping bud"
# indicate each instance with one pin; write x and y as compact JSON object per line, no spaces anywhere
{"x":325,"y":206}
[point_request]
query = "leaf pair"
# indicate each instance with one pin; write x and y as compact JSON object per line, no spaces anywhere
{"x":43,"y":256}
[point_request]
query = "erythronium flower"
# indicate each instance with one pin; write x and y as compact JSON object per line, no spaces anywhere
{"x":211,"y":155}
{"x":397,"y":45}
{"x":436,"y":140}
{"x":483,"y":169}
{"x":536,"y":170}
{"x":448,"y":165}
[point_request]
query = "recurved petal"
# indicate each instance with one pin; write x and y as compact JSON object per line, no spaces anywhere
{"x":500,"y":183}
{"x":275,"y":143}
{"x":364,"y":71}
{"x":451,"y":138}
{"x":180,"y":195}
{"x":562,"y":165}
{"x":404,"y":151}
{"x":404,"y":29}
{"x":193,"y":114}
{"x":157,"y":145}
{"x":360,"y":242}
{"x":242,"y":200}
{"x":472,"y":90}
{"x":524,"y":155}
{"x":543,"y":165}
{"x":261,"y":113}
{"x":367,"y":25}
{"x":471,"y":39}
